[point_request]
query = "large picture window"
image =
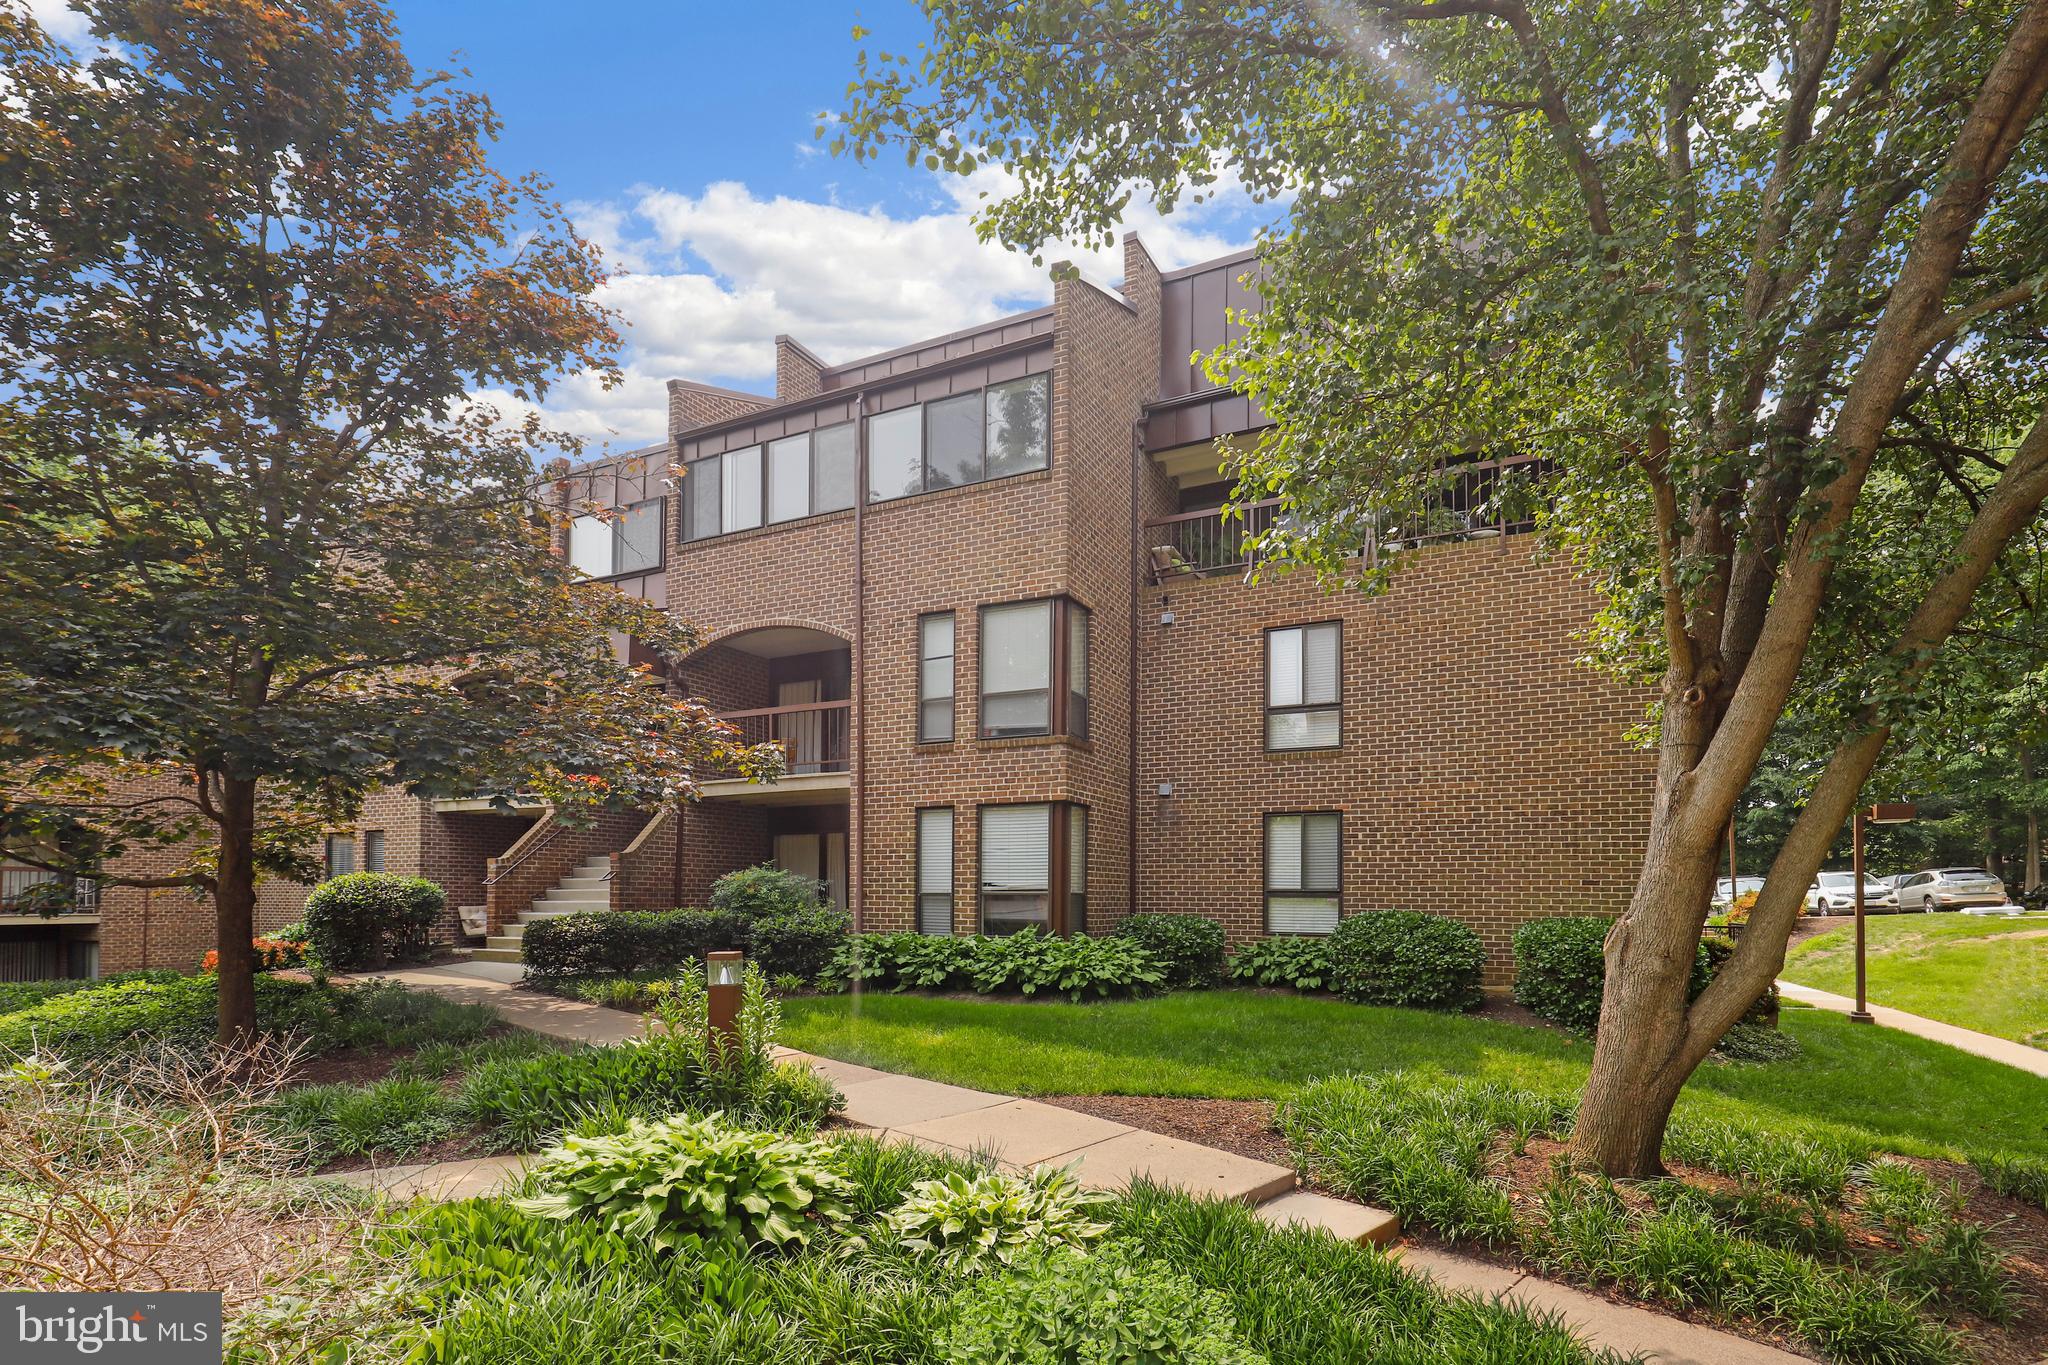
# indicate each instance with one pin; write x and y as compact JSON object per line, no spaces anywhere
{"x":965,"y":438}
{"x":604,"y":547}
{"x":1034,"y":669}
{"x":935,"y":678}
{"x":1034,"y":873}
{"x":797,"y":476}
{"x":935,"y":870}
{"x":1304,"y":873}
{"x":1304,"y":686}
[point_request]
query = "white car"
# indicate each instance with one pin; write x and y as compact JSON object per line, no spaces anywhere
{"x":1950,"y":888}
{"x":1834,"y":893}
{"x":1725,"y":891}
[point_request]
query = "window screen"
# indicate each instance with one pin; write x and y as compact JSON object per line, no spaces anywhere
{"x":701,"y":486}
{"x":1077,"y":669}
{"x":789,"y":478}
{"x":832,"y":468}
{"x":1077,"y":869}
{"x":952,"y":452}
{"x":742,"y":502}
{"x":590,"y":546}
{"x":1018,"y":423}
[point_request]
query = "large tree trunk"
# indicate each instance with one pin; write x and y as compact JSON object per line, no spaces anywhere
{"x":234,"y":903}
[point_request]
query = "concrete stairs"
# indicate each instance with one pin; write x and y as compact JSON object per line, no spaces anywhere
{"x":587,"y":887}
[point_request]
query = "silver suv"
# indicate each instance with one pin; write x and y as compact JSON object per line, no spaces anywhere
{"x":1950,"y":888}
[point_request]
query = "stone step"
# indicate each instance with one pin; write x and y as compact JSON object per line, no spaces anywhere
{"x":595,"y":867}
{"x":596,"y":900}
{"x":512,"y":929}
{"x":535,"y":916}
{"x":495,"y":955}
{"x":510,"y":942}
{"x":1341,"y":1219}
{"x":582,"y":884}
{"x":567,"y":907}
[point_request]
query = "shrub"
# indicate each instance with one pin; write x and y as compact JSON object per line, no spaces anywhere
{"x":616,"y":942}
{"x":21,"y":995}
{"x":756,"y":893}
{"x":1561,"y":973}
{"x":1560,"y":969}
{"x":1301,"y":964}
{"x":364,"y":918}
{"x":1189,"y":948}
{"x":977,"y":1222}
{"x":1105,"y":1309}
{"x":2019,"y":1177}
{"x":1406,"y":957}
{"x":681,"y":1179}
{"x":903,"y":961}
{"x":272,"y":955}
{"x":181,"y":1011}
{"x":800,"y":942}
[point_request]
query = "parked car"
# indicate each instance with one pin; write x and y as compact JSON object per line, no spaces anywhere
{"x":1950,"y":888}
{"x":1725,"y":891}
{"x":1834,"y":893}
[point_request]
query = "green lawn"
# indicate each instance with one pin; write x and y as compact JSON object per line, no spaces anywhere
{"x":1973,"y":971}
{"x":1907,"y":1094}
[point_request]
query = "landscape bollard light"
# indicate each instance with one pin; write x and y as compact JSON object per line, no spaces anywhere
{"x":723,"y":973}
{"x":1884,"y":813}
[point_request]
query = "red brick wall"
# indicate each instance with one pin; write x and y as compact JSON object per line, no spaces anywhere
{"x":1484,"y":773}
{"x":643,"y":872}
{"x":524,"y":878}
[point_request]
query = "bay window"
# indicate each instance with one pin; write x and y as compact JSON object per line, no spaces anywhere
{"x":1034,"y":669}
{"x":1304,"y":872}
{"x":630,"y":542}
{"x":1034,"y":867}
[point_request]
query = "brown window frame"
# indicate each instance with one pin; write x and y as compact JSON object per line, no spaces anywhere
{"x":1059,"y":680}
{"x":1266,"y":890}
{"x":1266,"y":689}
{"x":1060,"y":916}
{"x":917,"y":891}
{"x":952,"y":678}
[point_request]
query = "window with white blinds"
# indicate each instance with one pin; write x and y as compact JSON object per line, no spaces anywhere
{"x":1077,"y":670}
{"x":629,"y":542}
{"x":1304,"y":873}
{"x":742,"y":503}
{"x":373,"y":850}
{"x":1304,"y":686}
{"x":341,"y":854}
{"x":1016,"y":669}
{"x":935,"y":677}
{"x":1016,"y":868}
{"x":789,"y":478}
{"x":1077,"y":869}
{"x":935,"y":870}
{"x":796,"y":476}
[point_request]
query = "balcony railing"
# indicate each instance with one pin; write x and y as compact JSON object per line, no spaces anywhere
{"x":1217,"y":540}
{"x":20,"y":893}
{"x":812,"y":734}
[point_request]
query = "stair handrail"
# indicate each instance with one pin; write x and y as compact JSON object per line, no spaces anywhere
{"x":524,"y":847}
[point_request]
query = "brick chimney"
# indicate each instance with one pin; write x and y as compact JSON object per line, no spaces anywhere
{"x":692,"y":405}
{"x":798,"y":373}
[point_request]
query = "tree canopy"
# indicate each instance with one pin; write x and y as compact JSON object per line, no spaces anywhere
{"x":1743,"y":280}
{"x":262,"y":551}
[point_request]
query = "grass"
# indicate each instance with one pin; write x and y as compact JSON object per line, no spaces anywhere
{"x":1973,"y":971}
{"x":1848,"y":1081}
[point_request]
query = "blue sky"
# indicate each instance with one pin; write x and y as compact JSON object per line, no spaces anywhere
{"x":681,"y":134}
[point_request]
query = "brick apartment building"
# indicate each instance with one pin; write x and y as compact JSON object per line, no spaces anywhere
{"x":980,"y":589}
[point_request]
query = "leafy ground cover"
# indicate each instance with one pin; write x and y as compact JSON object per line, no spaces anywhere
{"x":1859,"y":1255}
{"x":1845,"y":1082}
{"x":1976,"y":972}
{"x":1166,"y":1278}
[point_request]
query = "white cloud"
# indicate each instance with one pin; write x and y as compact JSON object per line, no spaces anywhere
{"x":707,"y":281}
{"x":60,"y":21}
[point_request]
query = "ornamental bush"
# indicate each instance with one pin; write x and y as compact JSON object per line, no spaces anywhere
{"x":1189,"y":947}
{"x":1560,"y":967}
{"x":755,"y":893}
{"x":1298,"y":963}
{"x":1406,"y":957}
{"x":363,"y":919}
{"x":181,"y":1011}
{"x":801,"y":942}
{"x":1024,"y":963}
{"x":677,"y":1181}
{"x":1104,"y":1309}
{"x":904,"y":961}
{"x":972,"y":1223}
{"x":1561,"y":972}
{"x":607,"y":942}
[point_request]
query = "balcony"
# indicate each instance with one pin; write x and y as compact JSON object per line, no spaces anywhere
{"x":813,"y":738}
{"x":31,"y":895}
{"x":1474,"y":503}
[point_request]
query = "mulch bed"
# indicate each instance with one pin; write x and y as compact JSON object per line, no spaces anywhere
{"x":454,"y":1147}
{"x":1241,"y":1126}
{"x":349,"y":1065}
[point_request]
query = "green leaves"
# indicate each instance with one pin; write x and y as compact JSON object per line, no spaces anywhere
{"x":678,"y":1181}
{"x":991,"y":1220}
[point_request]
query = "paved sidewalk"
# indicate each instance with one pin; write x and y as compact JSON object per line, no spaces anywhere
{"x":1963,"y":1040}
{"x":1019,"y":1133}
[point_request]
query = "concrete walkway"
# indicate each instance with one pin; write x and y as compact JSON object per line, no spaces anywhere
{"x":1963,"y":1040}
{"x":1018,"y":1133}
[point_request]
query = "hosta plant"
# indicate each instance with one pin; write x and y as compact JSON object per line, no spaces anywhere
{"x":977,"y":1222}
{"x":682,"y":1180}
